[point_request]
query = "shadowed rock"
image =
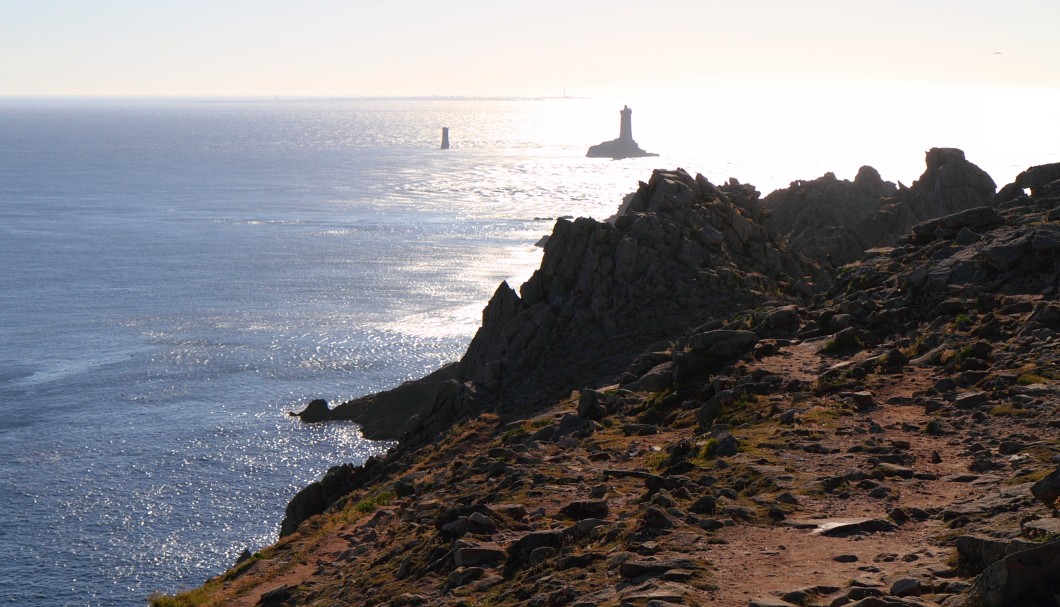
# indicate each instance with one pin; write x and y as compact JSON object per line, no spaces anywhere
{"x":835,"y":221}
{"x":1023,"y":579}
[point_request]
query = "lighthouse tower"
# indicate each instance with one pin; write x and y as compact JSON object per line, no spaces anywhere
{"x":625,"y":128}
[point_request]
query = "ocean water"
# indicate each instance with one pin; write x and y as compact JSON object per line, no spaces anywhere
{"x":177,"y":274}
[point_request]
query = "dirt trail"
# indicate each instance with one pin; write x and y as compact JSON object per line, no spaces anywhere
{"x":760,"y":561}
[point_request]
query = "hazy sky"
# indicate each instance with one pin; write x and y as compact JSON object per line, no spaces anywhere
{"x":528,"y":48}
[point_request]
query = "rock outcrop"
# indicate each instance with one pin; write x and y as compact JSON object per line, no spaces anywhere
{"x":826,"y":219}
{"x":885,"y":436}
{"x":834,"y":222}
{"x":682,"y":252}
{"x":390,"y":414}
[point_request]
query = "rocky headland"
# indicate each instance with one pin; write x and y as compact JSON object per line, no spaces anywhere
{"x":843,"y":393}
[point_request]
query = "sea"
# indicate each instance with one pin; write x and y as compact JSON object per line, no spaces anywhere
{"x":178,"y":274}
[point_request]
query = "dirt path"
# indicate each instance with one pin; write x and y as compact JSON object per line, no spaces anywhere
{"x":763,"y":561}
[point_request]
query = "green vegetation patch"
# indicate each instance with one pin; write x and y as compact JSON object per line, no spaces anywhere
{"x":374,"y":501}
{"x":841,"y":342}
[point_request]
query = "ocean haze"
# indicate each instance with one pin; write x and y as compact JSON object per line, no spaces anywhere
{"x":177,"y":274}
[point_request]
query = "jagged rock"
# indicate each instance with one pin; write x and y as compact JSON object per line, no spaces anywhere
{"x":318,"y":495}
{"x":834,"y":222}
{"x":948,"y":226}
{"x":625,"y":284}
{"x":823,"y":218}
{"x":1022,"y":579}
{"x":316,"y":411}
{"x":1036,"y":179}
{"x":389,"y":414}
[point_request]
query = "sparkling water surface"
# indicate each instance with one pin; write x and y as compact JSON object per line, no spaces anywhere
{"x":176,"y":275}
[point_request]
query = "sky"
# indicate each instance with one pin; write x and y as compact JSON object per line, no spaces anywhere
{"x":356,"y":48}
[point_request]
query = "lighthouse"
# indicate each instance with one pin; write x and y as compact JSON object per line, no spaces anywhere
{"x":625,"y":127}
{"x":624,"y":146}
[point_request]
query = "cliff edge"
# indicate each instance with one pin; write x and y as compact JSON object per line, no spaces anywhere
{"x":731,"y":425}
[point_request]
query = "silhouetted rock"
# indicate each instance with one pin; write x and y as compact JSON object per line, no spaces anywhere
{"x":826,"y":218}
{"x":834,"y":222}
{"x":391,"y":413}
{"x":316,"y":411}
{"x":682,"y":251}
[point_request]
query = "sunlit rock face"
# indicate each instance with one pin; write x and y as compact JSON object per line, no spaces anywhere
{"x":624,"y":146}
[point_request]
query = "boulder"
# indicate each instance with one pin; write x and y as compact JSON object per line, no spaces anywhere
{"x":316,"y":411}
{"x":658,"y":377}
{"x":1028,"y":578}
{"x":473,"y":556}
{"x":723,"y":345}
{"x":464,"y":575}
{"x":585,"y":509}
{"x":519,"y":552}
{"x":633,"y":569}
{"x":1047,"y":490}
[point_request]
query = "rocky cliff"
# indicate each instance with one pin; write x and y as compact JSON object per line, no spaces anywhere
{"x":834,"y":222}
{"x":681,"y":252}
{"x":678,"y":410}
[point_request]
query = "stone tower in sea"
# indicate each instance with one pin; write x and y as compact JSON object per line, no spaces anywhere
{"x":624,"y":146}
{"x":445,"y":138}
{"x":625,"y":128}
